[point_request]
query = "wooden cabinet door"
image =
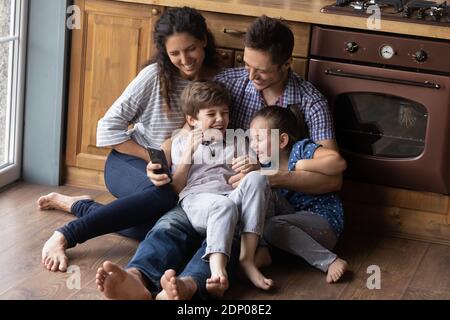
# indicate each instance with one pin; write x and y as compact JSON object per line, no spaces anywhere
{"x":114,"y":42}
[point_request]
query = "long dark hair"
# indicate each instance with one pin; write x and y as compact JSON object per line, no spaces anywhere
{"x":179,"y":20}
{"x":287,"y":120}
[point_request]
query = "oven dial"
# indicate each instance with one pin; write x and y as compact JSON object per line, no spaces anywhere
{"x":420,"y":56}
{"x":387,"y":52}
{"x":351,"y":47}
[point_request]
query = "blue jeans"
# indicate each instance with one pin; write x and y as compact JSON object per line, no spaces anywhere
{"x":139,"y":205}
{"x":174,"y":244}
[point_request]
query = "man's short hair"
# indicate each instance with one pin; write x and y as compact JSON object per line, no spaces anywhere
{"x":203,"y":94}
{"x":271,"y":35}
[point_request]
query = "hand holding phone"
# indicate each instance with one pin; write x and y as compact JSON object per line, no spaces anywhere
{"x":157,"y":156}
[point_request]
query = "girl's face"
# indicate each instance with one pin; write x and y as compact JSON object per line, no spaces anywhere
{"x":186,"y":53}
{"x":260,"y":140}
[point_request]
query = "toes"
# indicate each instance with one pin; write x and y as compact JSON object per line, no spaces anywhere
{"x":63,"y":264}
{"x":109,"y":266}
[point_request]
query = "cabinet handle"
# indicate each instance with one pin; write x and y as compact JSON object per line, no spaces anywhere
{"x":224,"y":55}
{"x":155,"y":12}
{"x":239,"y":58}
{"x":234,"y":32}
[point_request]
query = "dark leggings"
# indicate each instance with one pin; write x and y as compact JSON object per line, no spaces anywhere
{"x":139,"y":205}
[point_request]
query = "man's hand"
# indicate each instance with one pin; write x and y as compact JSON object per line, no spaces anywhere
{"x":244,"y":165}
{"x":236,"y":180}
{"x":157,"y":179}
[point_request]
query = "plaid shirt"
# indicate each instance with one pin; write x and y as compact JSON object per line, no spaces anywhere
{"x":246,"y":101}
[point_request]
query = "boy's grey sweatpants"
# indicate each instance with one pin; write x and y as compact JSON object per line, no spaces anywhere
{"x":217,"y":215}
{"x":301,"y":233}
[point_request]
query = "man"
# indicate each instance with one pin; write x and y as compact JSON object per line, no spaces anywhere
{"x":267,"y":79}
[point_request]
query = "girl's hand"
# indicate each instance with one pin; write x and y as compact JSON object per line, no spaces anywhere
{"x":243,"y":165}
{"x":157,"y":179}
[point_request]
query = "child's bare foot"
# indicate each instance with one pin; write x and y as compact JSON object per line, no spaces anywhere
{"x":174,"y":288}
{"x":255,"y":276}
{"x":262,"y":257}
{"x":336,"y":270}
{"x":54,"y":253}
{"x":217,"y":285}
{"x":57,"y":201}
{"x":118,"y":283}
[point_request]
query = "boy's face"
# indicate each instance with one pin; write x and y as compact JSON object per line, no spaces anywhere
{"x":213,"y":117}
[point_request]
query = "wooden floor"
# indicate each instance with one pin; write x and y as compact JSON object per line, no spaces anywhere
{"x":409,"y":269}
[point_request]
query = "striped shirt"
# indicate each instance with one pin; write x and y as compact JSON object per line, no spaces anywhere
{"x":246,"y":101}
{"x":142,"y":105}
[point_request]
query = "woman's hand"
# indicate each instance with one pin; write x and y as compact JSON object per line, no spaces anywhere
{"x":243,"y":164}
{"x":157,"y":179}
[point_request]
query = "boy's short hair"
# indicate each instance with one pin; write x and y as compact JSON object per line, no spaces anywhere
{"x":203,"y":94}
{"x":271,"y":35}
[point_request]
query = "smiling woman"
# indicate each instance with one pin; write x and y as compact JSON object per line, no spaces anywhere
{"x":12,"y":48}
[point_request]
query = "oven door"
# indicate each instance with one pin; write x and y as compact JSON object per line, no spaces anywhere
{"x":391,"y":126}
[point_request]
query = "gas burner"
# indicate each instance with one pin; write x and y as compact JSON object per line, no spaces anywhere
{"x":416,"y":11}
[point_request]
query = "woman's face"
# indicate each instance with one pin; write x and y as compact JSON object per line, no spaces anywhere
{"x":186,"y":53}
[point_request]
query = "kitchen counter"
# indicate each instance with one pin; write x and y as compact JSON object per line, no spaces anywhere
{"x":302,"y":11}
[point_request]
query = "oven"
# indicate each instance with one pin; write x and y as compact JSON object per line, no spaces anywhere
{"x":390,"y":100}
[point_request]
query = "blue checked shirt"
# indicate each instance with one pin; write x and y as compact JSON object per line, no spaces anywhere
{"x":246,"y":101}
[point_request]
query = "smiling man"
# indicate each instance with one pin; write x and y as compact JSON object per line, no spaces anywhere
{"x":268,"y":80}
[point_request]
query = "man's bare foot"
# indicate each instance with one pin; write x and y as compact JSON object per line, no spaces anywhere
{"x":54,"y":253}
{"x":57,"y":201}
{"x":217,"y":285}
{"x":255,"y":276}
{"x":174,"y":288}
{"x":262,"y":257}
{"x":118,"y":283}
{"x":336,"y":270}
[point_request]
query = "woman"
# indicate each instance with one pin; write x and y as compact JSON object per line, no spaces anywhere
{"x":185,"y":52}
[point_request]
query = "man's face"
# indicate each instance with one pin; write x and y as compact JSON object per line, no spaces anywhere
{"x":261,"y":70}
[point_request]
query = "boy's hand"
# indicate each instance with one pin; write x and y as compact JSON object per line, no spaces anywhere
{"x":236,"y":180}
{"x":157,"y":179}
{"x":243,"y":165}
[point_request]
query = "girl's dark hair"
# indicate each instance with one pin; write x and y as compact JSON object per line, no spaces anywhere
{"x":287,"y":120}
{"x":179,"y":20}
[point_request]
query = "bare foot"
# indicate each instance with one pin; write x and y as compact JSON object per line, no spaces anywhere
{"x":262,"y":257}
{"x":57,"y":201}
{"x":118,"y":283}
{"x":336,"y":270}
{"x":54,"y":253}
{"x":217,"y":285}
{"x":174,"y":288}
{"x":255,"y":276}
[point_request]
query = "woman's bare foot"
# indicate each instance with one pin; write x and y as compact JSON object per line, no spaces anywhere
{"x":174,"y":288}
{"x":262,"y":257}
{"x":118,"y":283}
{"x":57,"y":201}
{"x":255,"y":276}
{"x":217,"y":285}
{"x":54,"y":253}
{"x":336,"y":270}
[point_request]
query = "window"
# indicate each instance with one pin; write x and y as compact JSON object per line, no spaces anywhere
{"x":13,"y":20}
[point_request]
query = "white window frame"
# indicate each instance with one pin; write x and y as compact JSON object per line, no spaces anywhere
{"x":11,"y":171}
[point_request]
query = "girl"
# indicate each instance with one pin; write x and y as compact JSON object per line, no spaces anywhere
{"x":185,"y":52}
{"x":305,"y":225}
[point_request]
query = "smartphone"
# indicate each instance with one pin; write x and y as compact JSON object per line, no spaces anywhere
{"x":158,"y":156}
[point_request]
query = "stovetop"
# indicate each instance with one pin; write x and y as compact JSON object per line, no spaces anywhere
{"x":416,"y":11}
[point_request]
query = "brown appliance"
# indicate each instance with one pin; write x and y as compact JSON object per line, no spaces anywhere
{"x":390,"y":99}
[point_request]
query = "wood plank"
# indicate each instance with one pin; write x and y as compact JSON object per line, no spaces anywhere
{"x":398,"y":260}
{"x":394,"y":197}
{"x":432,"y":274}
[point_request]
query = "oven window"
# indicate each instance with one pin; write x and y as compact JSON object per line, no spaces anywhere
{"x":380,"y":125}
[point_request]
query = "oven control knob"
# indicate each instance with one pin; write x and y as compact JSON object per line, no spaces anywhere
{"x":351,"y":47}
{"x":420,"y":56}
